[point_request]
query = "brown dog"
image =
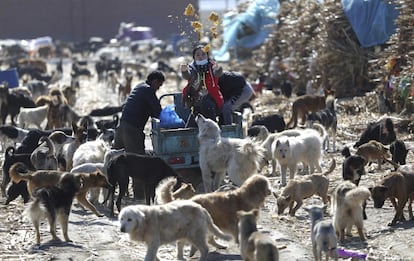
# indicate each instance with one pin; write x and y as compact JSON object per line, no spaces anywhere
{"x":43,"y":178}
{"x":347,"y":208}
{"x":302,"y":188}
{"x":374,"y":150}
{"x":396,"y":186}
{"x":255,"y":245}
{"x":306,"y":104}
{"x":223,"y":206}
{"x":164,"y":191}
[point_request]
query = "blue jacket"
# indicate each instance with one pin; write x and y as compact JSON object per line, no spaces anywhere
{"x":140,"y":105}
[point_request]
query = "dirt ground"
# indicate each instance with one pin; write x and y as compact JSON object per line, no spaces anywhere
{"x":100,"y":239}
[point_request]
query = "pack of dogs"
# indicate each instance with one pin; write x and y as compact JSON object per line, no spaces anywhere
{"x":51,"y":168}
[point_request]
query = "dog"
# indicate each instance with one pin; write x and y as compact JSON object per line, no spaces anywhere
{"x":54,"y":202}
{"x":327,"y":118}
{"x":223,"y":206}
{"x":119,"y":171}
{"x":258,"y":132}
{"x":254,"y":245}
{"x":398,"y":152}
{"x":305,"y":148}
{"x":80,"y":134}
{"x":381,"y":130}
{"x":395,"y":186}
{"x":43,"y":178}
{"x":302,"y":188}
{"x":10,"y":157}
{"x":217,"y":155}
{"x":44,"y":156}
{"x":353,"y":166}
{"x":33,"y":116}
{"x":273,"y":123}
{"x":11,"y":133}
{"x":323,"y":234}
{"x":165,"y":191}
{"x":347,"y":208}
{"x":59,"y":139}
{"x":161,"y":224}
{"x":374,"y":150}
{"x":306,"y":104}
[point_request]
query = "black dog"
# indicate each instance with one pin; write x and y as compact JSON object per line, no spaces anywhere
{"x":147,"y":170}
{"x":398,"y":151}
{"x":10,"y":158}
{"x":273,"y":123}
{"x":353,"y":169}
{"x":382,"y":131}
{"x":327,"y":118}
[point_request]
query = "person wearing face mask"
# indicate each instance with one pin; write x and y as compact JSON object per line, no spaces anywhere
{"x":202,"y":92}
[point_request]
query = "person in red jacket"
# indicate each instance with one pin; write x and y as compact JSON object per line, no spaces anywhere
{"x":202,"y":92}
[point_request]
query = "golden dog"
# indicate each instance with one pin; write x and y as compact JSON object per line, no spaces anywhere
{"x":374,"y":150}
{"x":161,"y":224}
{"x":164,"y":191}
{"x":347,"y":208}
{"x":302,"y":188}
{"x":43,"y":178}
{"x":223,"y":206}
{"x":255,"y":245}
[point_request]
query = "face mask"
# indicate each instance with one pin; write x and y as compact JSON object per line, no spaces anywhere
{"x":202,"y":62}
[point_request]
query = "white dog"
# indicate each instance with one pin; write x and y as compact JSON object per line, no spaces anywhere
{"x":239,"y":157}
{"x":305,"y":148}
{"x":161,"y":224}
{"x":33,"y":116}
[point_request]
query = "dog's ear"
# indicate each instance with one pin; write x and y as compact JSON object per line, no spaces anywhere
{"x":74,"y":127}
{"x":275,"y":194}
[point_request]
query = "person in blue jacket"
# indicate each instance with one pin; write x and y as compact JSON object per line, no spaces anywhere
{"x":141,"y":104}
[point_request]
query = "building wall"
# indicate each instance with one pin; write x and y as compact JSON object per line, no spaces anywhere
{"x":78,"y":20}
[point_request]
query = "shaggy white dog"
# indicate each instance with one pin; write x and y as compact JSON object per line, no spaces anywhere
{"x":290,"y":151}
{"x":217,"y":155}
{"x":162,"y":224}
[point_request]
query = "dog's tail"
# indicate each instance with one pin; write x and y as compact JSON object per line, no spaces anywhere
{"x":321,"y":129}
{"x":213,"y":227}
{"x":331,"y":167}
{"x":163,"y":192}
{"x":19,"y":172}
{"x":254,"y":152}
{"x":357,"y":195}
{"x":36,"y":210}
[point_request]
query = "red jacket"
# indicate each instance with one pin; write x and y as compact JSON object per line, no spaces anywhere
{"x":211,"y":83}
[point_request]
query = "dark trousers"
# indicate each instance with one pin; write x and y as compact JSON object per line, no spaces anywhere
{"x":133,"y":140}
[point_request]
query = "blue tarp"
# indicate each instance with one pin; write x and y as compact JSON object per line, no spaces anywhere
{"x":373,"y":21}
{"x":248,"y":29}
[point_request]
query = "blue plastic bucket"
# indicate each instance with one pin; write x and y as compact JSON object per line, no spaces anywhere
{"x":10,"y":76}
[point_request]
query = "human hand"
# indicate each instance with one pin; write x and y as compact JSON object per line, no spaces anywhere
{"x":183,"y":67}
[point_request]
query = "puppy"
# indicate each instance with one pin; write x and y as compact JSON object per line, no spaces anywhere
{"x":305,"y":104}
{"x":273,"y":123}
{"x":54,"y":202}
{"x":374,"y":150}
{"x":165,"y":193}
{"x":43,"y":178}
{"x":353,"y":166}
{"x":223,"y":206}
{"x":327,"y":118}
{"x":302,"y":188}
{"x":161,"y":224}
{"x":398,"y":151}
{"x":381,"y":130}
{"x":217,"y":155}
{"x":290,"y":151}
{"x":322,"y":234}
{"x":395,"y":186}
{"x":347,"y":209}
{"x":254,"y":245}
